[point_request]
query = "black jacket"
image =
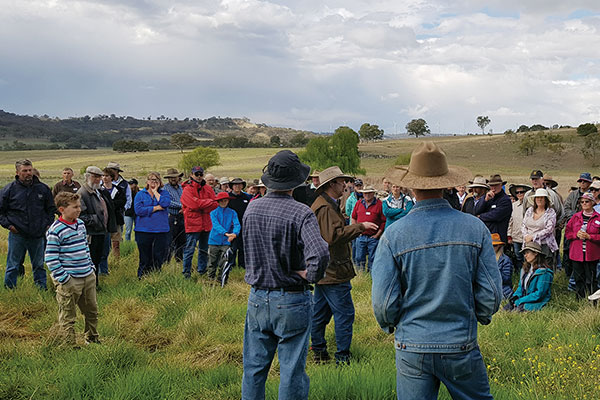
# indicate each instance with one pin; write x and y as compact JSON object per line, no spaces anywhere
{"x":119,"y":202}
{"x":92,"y":213}
{"x":239,"y":203}
{"x":30,"y":209}
{"x":495,"y":213}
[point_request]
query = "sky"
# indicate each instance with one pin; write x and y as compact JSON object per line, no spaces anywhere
{"x":307,"y":64}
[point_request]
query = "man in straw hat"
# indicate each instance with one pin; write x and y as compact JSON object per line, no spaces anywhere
{"x":496,"y":207}
{"x":284,"y":254}
{"x":332,"y":293}
{"x":175,"y":210}
{"x":368,"y":209}
{"x":434,"y":277}
{"x":479,"y":188}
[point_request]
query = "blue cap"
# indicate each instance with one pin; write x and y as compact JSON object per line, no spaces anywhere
{"x":585,"y":176}
{"x":198,"y":169}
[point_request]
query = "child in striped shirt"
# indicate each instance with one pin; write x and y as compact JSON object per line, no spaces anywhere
{"x":68,"y":259}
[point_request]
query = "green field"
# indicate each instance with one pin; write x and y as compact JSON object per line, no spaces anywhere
{"x":166,"y":337}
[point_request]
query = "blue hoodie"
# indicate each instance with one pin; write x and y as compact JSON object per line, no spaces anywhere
{"x":224,"y":220}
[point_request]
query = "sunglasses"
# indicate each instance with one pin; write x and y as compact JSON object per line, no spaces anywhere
{"x":197,"y":173}
{"x":521,"y":192}
{"x":594,"y":189}
{"x":585,"y":201}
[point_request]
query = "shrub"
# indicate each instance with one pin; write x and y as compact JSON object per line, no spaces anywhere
{"x":202,"y":156}
{"x":586,"y":129}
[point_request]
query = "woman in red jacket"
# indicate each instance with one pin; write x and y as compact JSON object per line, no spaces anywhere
{"x":583,"y":230}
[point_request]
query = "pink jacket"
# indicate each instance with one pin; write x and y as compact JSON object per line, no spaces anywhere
{"x":592,"y":246}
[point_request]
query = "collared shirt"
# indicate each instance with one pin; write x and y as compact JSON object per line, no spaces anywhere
{"x":281,"y":236}
{"x":175,"y":193}
{"x":62,"y":186}
{"x":372,"y":212}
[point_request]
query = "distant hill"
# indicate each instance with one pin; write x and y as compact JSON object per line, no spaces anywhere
{"x":104,"y":130}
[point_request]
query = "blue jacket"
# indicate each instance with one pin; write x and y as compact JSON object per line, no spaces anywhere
{"x":537,"y":293}
{"x":394,"y":214}
{"x":30,"y":209}
{"x":145,"y":219}
{"x":433,"y":282}
{"x":224,"y":220}
{"x":506,"y":267}
{"x":496,"y":214}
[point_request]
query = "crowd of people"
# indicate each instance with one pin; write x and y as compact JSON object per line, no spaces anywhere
{"x":296,"y":232}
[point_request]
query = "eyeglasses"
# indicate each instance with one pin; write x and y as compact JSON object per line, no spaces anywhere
{"x":585,"y":201}
{"x":197,"y":173}
{"x":521,"y":192}
{"x":594,"y":189}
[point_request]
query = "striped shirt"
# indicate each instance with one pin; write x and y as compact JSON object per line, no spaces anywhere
{"x":67,"y":252}
{"x":175,"y":193}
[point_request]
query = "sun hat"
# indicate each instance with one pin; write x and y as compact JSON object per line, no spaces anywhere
{"x":595,"y":185}
{"x":285,"y":171}
{"x":496,"y":239}
{"x":550,"y":182}
{"x":238,"y":180}
{"x":479,"y":181}
{"x":92,"y":169}
{"x":368,"y":189}
{"x":224,"y":180}
{"x":496,"y":179}
{"x":540,"y":193}
{"x":329,"y":174}
{"x":173,"y":173}
{"x":429,"y":169}
{"x":585,"y":176}
{"x":315,"y":174}
{"x":114,"y":165}
{"x":587,"y":196}
{"x":533,"y":246}
{"x":254,"y":183}
{"x":198,"y":169}
{"x":536,"y":174}
{"x":513,"y":188}
{"x":260,"y":184}
{"x":223,"y":196}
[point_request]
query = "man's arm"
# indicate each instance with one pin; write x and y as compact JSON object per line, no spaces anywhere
{"x":128,"y":195}
{"x":386,"y":289}
{"x":487,"y":285}
{"x":316,"y":250}
{"x":333,"y":230}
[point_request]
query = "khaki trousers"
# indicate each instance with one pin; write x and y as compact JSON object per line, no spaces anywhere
{"x":78,"y":292}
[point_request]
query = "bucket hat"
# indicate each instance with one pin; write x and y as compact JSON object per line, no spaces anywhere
{"x":540,"y":193}
{"x":328,"y":175}
{"x":551,"y":183}
{"x":173,"y":173}
{"x":285,"y":171}
{"x":513,"y":188}
{"x":224,"y":180}
{"x":533,"y":246}
{"x":238,"y":180}
{"x":587,"y":196}
{"x":585,"y":176}
{"x":429,"y":169}
{"x":479,"y":181}
{"x":114,"y":165}
{"x":496,"y":239}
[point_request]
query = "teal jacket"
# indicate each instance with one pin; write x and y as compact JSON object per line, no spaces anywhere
{"x":394,"y":214}
{"x":537,"y":293}
{"x":350,"y":203}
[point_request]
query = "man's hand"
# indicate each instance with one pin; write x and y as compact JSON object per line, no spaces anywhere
{"x":13,"y":229}
{"x":489,"y":195}
{"x":230,"y":237}
{"x":302,"y":274}
{"x":370,"y":225}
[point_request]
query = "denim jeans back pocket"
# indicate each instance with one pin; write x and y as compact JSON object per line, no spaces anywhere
{"x":293,"y":317}
{"x":458,"y":366}
{"x":253,"y":315}
{"x":409,"y":364}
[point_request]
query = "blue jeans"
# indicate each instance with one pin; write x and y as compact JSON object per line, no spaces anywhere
{"x":128,"y":227}
{"x":518,"y":256}
{"x":419,"y":375}
{"x":103,"y":265}
{"x":276,"y":321}
{"x":188,"y":253}
{"x":336,"y":301}
{"x":365,"y":245}
{"x":17,"y":246}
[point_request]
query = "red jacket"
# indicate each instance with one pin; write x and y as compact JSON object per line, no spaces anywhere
{"x":197,"y":201}
{"x":592,"y":246}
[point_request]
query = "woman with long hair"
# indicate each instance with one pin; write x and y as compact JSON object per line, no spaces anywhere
{"x":539,"y":224}
{"x":152,"y":224}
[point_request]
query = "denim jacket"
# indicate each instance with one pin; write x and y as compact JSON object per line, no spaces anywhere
{"x":435,"y":276}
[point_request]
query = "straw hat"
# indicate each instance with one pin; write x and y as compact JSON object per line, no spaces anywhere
{"x":315,"y":174}
{"x":513,"y":188}
{"x":540,"y":193}
{"x":328,"y":175}
{"x":550,"y":182}
{"x":496,"y":239}
{"x":368,"y":189}
{"x":429,"y":169}
{"x":479,"y":181}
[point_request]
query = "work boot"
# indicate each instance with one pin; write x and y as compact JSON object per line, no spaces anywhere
{"x":321,"y":357}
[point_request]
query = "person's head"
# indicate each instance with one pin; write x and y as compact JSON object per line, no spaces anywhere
{"x":68,"y":205}
{"x":67,"y":175}
{"x":495,"y":183}
{"x":537,"y":179}
{"x":479,"y":186}
{"x":498,"y":244}
{"x":93,"y":176}
{"x":587,"y":202}
{"x":396,"y":190}
{"x":116,"y":167}
{"x":595,"y":190}
{"x":369,"y":193}
{"x":314,"y":177}
{"x":518,"y":191}
{"x":333,"y":182}
{"x":584,"y":181}
{"x":210,"y":180}
{"x":197,"y":174}
{"x":24,"y":169}
{"x":461,"y":189}
{"x":534,"y":258}
{"x":237,"y":185}
{"x":154,"y":181}
{"x":222,"y":199}
{"x":285,"y":172}
{"x":108,"y":175}
{"x":540,"y":200}
{"x":386,"y":184}
{"x":224,"y":183}
{"x":133,"y":185}
{"x":358,"y":185}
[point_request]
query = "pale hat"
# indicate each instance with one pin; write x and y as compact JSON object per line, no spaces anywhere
{"x":114,"y":165}
{"x":224,"y":180}
{"x":429,"y":169}
{"x":94,"y":170}
{"x":479,"y":181}
{"x":368,"y":189}
{"x":540,"y":193}
{"x":315,"y":174}
{"x":330,"y":174}
{"x":595,"y":185}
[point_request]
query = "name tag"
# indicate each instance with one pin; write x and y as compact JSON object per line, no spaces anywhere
{"x":494,"y":206}
{"x":245,"y":201}
{"x":368,"y":213}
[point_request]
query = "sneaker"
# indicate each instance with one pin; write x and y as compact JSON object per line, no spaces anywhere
{"x":321,"y":356}
{"x":595,"y":295}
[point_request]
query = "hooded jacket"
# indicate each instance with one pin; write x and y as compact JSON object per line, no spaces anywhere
{"x":537,"y":293}
{"x":338,"y":236}
{"x":29,"y":208}
{"x":197,"y":200}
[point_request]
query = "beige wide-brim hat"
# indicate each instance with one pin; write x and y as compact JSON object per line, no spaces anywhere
{"x":429,"y":169}
{"x":480,"y":182}
{"x":368,"y":189}
{"x":329,"y":174}
{"x":539,"y":193}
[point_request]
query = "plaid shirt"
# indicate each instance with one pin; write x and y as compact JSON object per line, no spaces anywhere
{"x":175,"y":193}
{"x":281,"y":236}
